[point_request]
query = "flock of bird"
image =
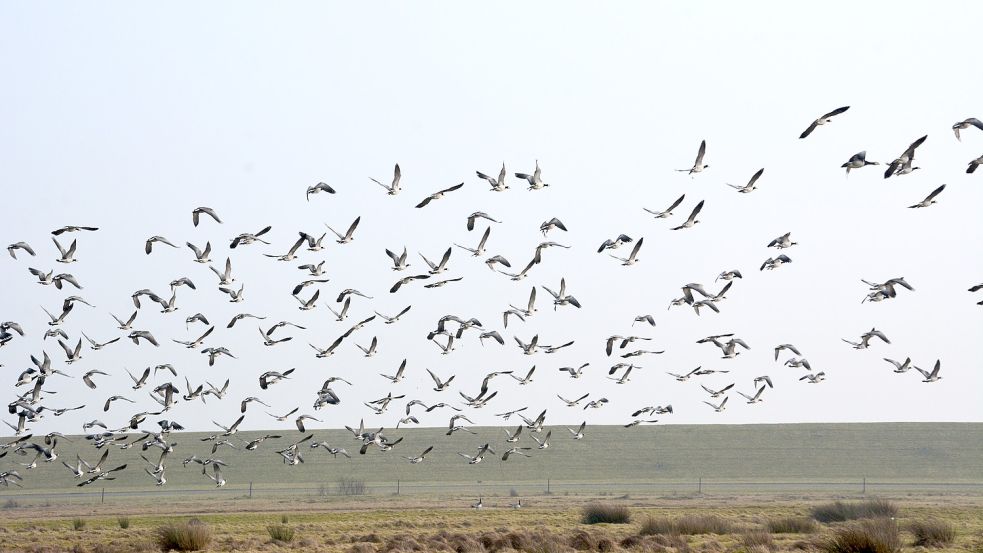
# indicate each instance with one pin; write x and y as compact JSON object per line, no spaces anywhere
{"x":168,"y":386}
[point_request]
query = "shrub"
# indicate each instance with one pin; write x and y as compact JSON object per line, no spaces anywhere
{"x":868,"y":536}
{"x":703,"y":524}
{"x":123,"y":521}
{"x":757,"y":539}
{"x":839,"y":511}
{"x":658,"y":527}
{"x":933,"y":533}
{"x":350,"y":486}
{"x":595,"y":513}
{"x":280,"y":532}
{"x":283,"y":519}
{"x":78,"y":523}
{"x":193,"y":535}
{"x":791,"y":525}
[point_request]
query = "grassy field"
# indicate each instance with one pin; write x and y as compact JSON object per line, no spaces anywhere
{"x":611,"y":459}
{"x":404,"y":524}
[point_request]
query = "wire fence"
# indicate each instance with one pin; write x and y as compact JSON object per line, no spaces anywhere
{"x":698,"y":486}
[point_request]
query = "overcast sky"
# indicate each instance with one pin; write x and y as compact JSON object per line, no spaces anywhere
{"x":127,"y":116}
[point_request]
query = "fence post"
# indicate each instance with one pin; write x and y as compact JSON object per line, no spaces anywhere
{"x":864,"y":491}
{"x":397,"y":486}
{"x":103,"y":496}
{"x":250,"y":490}
{"x":547,"y":486}
{"x":700,"y":486}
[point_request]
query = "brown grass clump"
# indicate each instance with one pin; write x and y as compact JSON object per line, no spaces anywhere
{"x":933,"y":533}
{"x":193,"y":535}
{"x":582,"y":541}
{"x":839,"y":511}
{"x":123,"y":521}
{"x":78,"y":524}
{"x":791,"y":525}
{"x":868,"y":536}
{"x":280,"y":533}
{"x":688,"y":525}
{"x":362,"y":547}
{"x":660,"y":526}
{"x":757,"y":539}
{"x":598,"y":513}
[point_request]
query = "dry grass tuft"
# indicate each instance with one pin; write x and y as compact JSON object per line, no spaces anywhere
{"x":933,"y":533}
{"x":193,"y":535}
{"x":791,"y":525}
{"x":839,"y":511}
{"x":78,"y":523}
{"x":123,"y":521}
{"x":597,"y":513}
{"x":688,"y":525}
{"x":868,"y":536}
{"x":757,"y":539}
{"x":280,"y":533}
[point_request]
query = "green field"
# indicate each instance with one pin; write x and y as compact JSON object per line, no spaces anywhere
{"x":654,"y":458}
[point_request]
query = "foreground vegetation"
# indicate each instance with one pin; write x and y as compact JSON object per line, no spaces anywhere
{"x":547,"y":524}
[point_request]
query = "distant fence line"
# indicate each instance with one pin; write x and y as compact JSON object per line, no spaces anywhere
{"x":525,"y":488}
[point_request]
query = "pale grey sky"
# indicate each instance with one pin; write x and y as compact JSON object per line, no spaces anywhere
{"x":127,"y":116}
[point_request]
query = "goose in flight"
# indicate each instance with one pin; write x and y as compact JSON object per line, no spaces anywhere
{"x":579,"y":433}
{"x":729,"y":275}
{"x":515,"y":451}
{"x":224,"y":278}
{"x":12,"y":249}
{"x":790,"y":347}
{"x":394,"y":188}
{"x":773,"y":263}
{"x":766,"y":379}
{"x":857,"y":161}
{"x":902,"y":165}
{"x":931,"y":376}
{"x":201,"y":256}
{"x":497,"y":185}
{"x":214,"y":353}
{"x":137,"y":335}
{"x":371,"y":350}
{"x":318,"y":188}
{"x":247,"y":238}
{"x":216,"y":475}
{"x":798,"y":362}
{"x":311,"y":303}
{"x":442,"y":266}
{"x":491,"y":261}
{"x":419,"y":458}
{"x":977,"y":288}
{"x":196,"y":343}
{"x":441,"y":283}
{"x":270,"y":378}
{"x":665,"y":214}
{"x":399,"y":261}
{"x":885,"y":290}
{"x":929,"y":200}
{"x":349,"y":234}
{"x":111,"y":399}
{"x":596,"y":404}
{"x":391,"y":320}
{"x":865,"y":338}
{"x":637,"y":422}
{"x":440,"y":385}
{"x":476,"y":252}
{"x":475,"y":459}
{"x":104,"y":475}
{"x":292,"y":252}
{"x":974,"y":164}
{"x":633,"y":257}
{"x":535,"y":180}
{"x":965,"y":124}
{"x":314,"y":270}
{"x":826,"y":118}
{"x":750,"y":185}
{"x":405,"y":280}
{"x":714,"y":393}
{"x":573,"y":402}
{"x":754,"y":399}
{"x":96,"y":346}
{"x":149,"y":245}
{"x":66,"y":256}
{"x":562,"y":298}
{"x":718,"y":408}
{"x":299,"y":422}
{"x":624,"y":377}
{"x":526,"y":379}
{"x":698,"y":165}
{"x":614,"y":244}
{"x":684,"y":377}
{"x":398,"y":377}
{"x":512,"y":437}
{"x":72,"y":228}
{"x":729,"y":348}
{"x":545,"y":442}
{"x":87,"y":378}
{"x":268,"y":341}
{"x":900,"y":368}
{"x":692,"y":217}
{"x":814,"y":378}
{"x":553,"y":223}
{"x":523,"y":273}
{"x":438,"y":195}
{"x":782,"y":242}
